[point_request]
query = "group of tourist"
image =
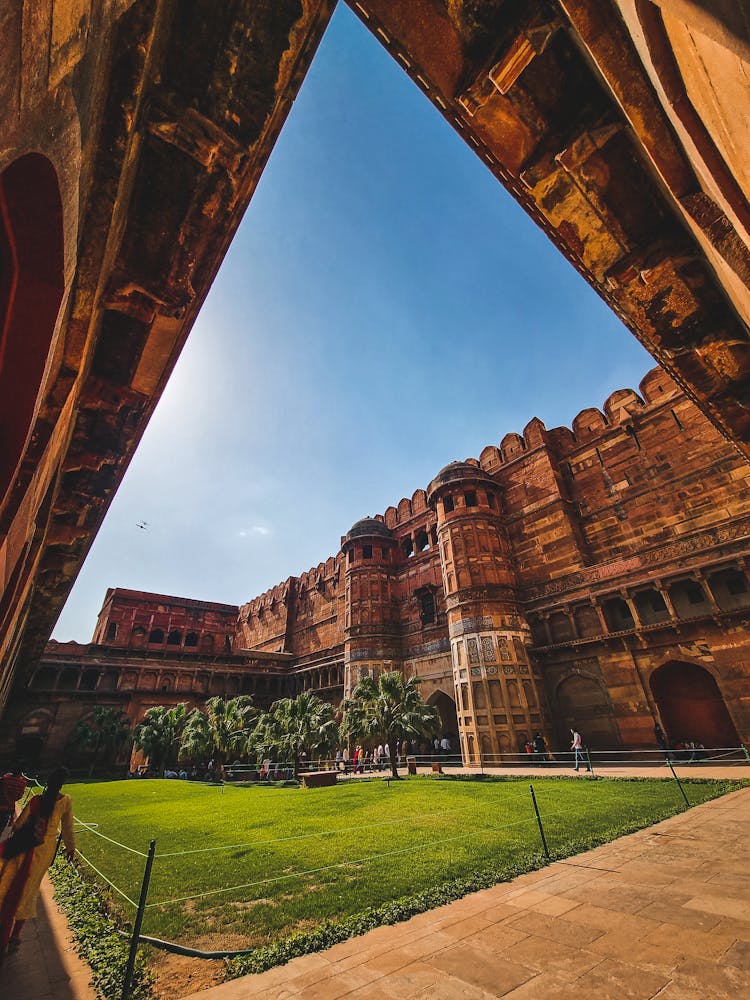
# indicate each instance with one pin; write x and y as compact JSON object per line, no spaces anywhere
{"x":28,"y":842}
{"x":376,"y":759}
{"x":538,"y":747}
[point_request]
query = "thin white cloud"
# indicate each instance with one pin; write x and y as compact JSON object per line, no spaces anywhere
{"x":255,"y":531}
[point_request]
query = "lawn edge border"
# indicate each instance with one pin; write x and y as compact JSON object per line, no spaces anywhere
{"x":331,"y":932}
{"x":97,"y":933}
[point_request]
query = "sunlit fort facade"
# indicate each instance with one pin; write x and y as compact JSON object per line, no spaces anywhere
{"x":594,"y":575}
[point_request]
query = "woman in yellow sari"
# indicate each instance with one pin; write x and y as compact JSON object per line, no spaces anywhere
{"x":27,"y":855}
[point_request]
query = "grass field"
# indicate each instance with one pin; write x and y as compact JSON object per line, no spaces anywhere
{"x":279,"y":844}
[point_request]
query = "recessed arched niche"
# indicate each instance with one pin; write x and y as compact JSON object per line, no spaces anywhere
{"x":31,"y":291}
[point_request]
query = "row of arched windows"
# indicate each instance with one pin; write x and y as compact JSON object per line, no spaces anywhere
{"x":206,"y":642}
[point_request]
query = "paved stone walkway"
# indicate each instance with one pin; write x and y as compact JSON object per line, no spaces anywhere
{"x":46,"y":966}
{"x":661,"y":913}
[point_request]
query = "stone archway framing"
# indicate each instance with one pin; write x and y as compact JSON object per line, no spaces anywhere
{"x":696,"y":710}
{"x":606,"y":732}
{"x":446,"y":706}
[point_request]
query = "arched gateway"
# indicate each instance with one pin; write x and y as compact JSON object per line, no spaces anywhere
{"x":446,"y":706}
{"x":691,"y":706}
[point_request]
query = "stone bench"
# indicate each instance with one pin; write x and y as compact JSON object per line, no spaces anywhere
{"x":318,"y":779}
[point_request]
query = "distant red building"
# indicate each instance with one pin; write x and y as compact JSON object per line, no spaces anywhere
{"x":593,"y":576}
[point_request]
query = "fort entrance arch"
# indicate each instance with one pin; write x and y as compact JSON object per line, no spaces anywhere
{"x":582,"y":703}
{"x":446,"y":706}
{"x":691,"y":705}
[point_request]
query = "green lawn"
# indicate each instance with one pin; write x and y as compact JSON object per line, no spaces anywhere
{"x":284,"y":840}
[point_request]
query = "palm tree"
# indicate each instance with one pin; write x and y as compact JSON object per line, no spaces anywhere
{"x":221,"y":731}
{"x":296,"y":725}
{"x":103,"y":736}
{"x":158,"y":735}
{"x":391,"y":710}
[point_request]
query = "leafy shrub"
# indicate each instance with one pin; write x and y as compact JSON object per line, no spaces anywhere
{"x":100,"y":941}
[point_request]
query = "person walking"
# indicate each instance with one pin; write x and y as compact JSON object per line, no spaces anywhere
{"x":12,"y":786}
{"x":577,"y":747}
{"x":28,"y":853}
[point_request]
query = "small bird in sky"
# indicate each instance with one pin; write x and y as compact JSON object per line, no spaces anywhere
{"x":143,"y":525}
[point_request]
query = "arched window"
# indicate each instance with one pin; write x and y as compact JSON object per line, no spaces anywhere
{"x":422,"y":541}
{"x":408,"y":547}
{"x":688,"y":598}
{"x":651,"y":607}
{"x":426,"y":607}
{"x":111,"y":631}
{"x":31,"y":289}
{"x":156,"y":636}
{"x":586,"y":621}
{"x":108,"y":681}
{"x":730,"y":588}
{"x":138,"y":636}
{"x":207,"y":643}
{"x":68,"y":680}
{"x":617,"y":614}
{"x":191,"y":639}
{"x":44,"y":679}
{"x":174,"y":638}
{"x":89,"y":679}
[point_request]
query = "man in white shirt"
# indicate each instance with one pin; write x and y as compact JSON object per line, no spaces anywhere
{"x":577,"y":747}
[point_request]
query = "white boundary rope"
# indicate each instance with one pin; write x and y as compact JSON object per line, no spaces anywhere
{"x":109,"y":883}
{"x":340,"y":864}
{"x":90,"y":828}
{"x":308,"y":836}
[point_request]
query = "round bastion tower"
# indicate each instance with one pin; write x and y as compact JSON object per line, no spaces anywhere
{"x":500,"y":703}
{"x":371,"y":633}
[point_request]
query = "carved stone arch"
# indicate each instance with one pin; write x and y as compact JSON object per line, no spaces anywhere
{"x":691,"y":704}
{"x":32,"y":734}
{"x":446,"y":706}
{"x":32,"y":284}
{"x":581,"y":702}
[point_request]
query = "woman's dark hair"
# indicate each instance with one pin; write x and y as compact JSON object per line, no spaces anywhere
{"x":55,"y":781}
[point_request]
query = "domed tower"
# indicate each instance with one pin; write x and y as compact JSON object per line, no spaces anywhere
{"x":371,"y":631}
{"x":500,"y":704}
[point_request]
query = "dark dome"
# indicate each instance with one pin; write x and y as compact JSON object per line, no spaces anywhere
{"x":458,"y":472}
{"x":367,"y":527}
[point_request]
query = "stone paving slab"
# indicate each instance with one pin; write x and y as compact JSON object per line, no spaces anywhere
{"x":46,"y":966}
{"x":664,"y":913}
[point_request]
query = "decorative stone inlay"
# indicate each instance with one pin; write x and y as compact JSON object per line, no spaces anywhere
{"x":469,"y":625}
{"x":508,"y":668}
{"x":473,"y":650}
{"x":492,"y":670}
{"x":488,"y":648}
{"x":476,"y":671}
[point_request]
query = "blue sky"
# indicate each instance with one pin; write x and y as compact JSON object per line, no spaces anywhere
{"x":385,"y":308}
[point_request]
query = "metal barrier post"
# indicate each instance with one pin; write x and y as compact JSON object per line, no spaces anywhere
{"x":130,"y":967}
{"x":591,"y":766}
{"x":744,"y":750}
{"x":674,"y":775}
{"x":539,"y":821}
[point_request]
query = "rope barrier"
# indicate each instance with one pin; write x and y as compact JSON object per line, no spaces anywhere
{"x":109,"y":883}
{"x":339,"y":864}
{"x":90,"y":828}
